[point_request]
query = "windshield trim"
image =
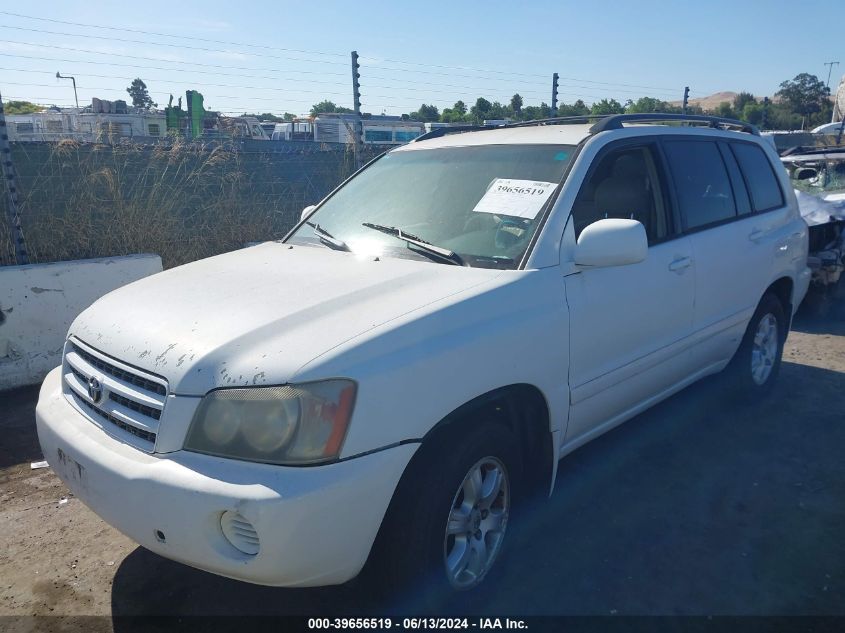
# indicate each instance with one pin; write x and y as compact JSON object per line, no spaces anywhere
{"x":549,"y":207}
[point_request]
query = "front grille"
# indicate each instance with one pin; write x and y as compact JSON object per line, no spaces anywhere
{"x":144,"y":435}
{"x":117,"y":372}
{"x":125,"y":401}
{"x":155,"y":414}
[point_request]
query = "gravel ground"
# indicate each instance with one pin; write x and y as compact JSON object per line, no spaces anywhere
{"x":695,"y":507}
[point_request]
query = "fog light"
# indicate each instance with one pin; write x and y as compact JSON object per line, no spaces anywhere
{"x":239,"y":532}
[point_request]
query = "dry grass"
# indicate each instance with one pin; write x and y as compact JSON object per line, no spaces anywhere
{"x":182,"y":201}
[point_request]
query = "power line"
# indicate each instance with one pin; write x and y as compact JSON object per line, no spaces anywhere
{"x":182,"y":46}
{"x":154,"y":59}
{"x":422,"y":90}
{"x":387,"y":68}
{"x":344,"y":93}
{"x":313,"y":52}
{"x":182,"y":37}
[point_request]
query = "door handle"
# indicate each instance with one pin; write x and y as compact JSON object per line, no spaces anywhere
{"x":680,"y":264}
{"x":756,"y":235}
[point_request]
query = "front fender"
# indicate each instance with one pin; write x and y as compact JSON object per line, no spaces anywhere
{"x":417,"y":369}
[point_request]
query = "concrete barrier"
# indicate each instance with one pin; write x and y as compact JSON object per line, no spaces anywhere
{"x":38,"y":303}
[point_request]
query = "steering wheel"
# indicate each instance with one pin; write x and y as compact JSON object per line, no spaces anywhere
{"x":509,"y":232}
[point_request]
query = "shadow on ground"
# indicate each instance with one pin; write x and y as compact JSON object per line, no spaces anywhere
{"x":698,"y":506}
{"x":17,"y":419}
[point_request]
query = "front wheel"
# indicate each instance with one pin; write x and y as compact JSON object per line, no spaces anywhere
{"x":446,"y":525}
{"x":756,"y":364}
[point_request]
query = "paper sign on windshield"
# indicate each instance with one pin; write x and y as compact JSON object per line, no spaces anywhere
{"x":520,"y":198}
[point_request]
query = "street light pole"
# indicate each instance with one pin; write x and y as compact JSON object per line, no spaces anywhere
{"x":73,"y":79}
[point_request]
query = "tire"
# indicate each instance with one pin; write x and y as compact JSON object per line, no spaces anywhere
{"x":754,"y":368}
{"x":461,"y":482}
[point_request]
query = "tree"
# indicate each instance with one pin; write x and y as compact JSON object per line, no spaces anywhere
{"x":266,"y":116}
{"x":140,"y":95}
{"x":449,"y":115}
{"x":805,"y":95}
{"x":605,"y":106}
{"x":426,"y":113}
{"x":725,"y":110}
{"x":516,"y":104}
{"x":497,"y":111}
{"x":579,"y":108}
{"x":647,"y":105}
{"x":289,"y":116}
{"x":455,"y":114}
{"x":326,"y":106}
{"x":22,"y":107}
{"x":753,"y":113}
{"x":481,"y":110}
{"x":742,"y":100}
{"x":533,"y":113}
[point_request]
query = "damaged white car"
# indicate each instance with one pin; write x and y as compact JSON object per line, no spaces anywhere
{"x":414,"y":358}
{"x":819,"y":180}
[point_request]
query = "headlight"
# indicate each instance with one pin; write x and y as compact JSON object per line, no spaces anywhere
{"x":293,"y":424}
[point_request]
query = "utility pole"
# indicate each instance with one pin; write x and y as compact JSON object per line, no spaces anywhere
{"x":356,"y":104}
{"x":73,"y":79}
{"x":764,"y":119}
{"x":554,"y":95}
{"x":7,"y":168}
{"x":686,"y":99}
{"x":830,"y":70}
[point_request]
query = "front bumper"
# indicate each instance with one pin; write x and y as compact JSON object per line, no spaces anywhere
{"x":316,"y":525}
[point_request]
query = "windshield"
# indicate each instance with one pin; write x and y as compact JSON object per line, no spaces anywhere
{"x":483,"y":203}
{"x":820,"y":176}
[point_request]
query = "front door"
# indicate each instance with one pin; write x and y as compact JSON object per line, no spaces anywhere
{"x":629,"y":325}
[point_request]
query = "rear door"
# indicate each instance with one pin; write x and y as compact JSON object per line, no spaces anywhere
{"x":733,"y":244}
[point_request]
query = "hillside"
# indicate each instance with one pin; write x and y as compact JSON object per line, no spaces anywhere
{"x":710,"y":102}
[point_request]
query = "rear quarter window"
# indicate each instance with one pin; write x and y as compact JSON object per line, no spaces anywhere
{"x":704,"y":190}
{"x":759,"y":176}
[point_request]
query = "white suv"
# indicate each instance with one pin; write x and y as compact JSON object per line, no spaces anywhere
{"x":415,"y":357}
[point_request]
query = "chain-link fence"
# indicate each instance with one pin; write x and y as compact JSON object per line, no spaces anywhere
{"x":181,"y":201}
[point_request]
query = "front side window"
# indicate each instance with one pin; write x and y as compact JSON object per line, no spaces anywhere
{"x":483,"y":203}
{"x":701,"y":181}
{"x":625,"y":184}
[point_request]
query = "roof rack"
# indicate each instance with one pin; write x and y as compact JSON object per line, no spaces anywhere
{"x":454,"y":129}
{"x":559,"y":120}
{"x":616,"y":121}
{"x":603,"y":122}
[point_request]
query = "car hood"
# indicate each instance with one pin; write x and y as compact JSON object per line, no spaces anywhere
{"x":257,"y":315}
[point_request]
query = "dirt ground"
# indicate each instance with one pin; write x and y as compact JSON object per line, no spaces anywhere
{"x":698,"y":506}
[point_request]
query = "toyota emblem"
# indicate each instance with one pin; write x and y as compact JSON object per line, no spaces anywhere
{"x":95,"y":389}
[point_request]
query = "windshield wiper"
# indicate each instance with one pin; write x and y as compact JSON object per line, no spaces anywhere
{"x":426,"y":247}
{"x":327,"y":238}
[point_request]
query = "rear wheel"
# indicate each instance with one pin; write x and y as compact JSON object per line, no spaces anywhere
{"x":756,"y":364}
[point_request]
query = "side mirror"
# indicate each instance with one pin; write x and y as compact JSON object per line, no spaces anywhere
{"x":611,"y":242}
{"x":307,"y":211}
{"x":806,"y":173}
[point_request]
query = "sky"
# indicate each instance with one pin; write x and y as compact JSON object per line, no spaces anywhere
{"x":281,"y":57}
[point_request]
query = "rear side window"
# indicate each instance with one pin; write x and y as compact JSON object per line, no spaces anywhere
{"x":759,"y":177}
{"x":701,"y":180}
